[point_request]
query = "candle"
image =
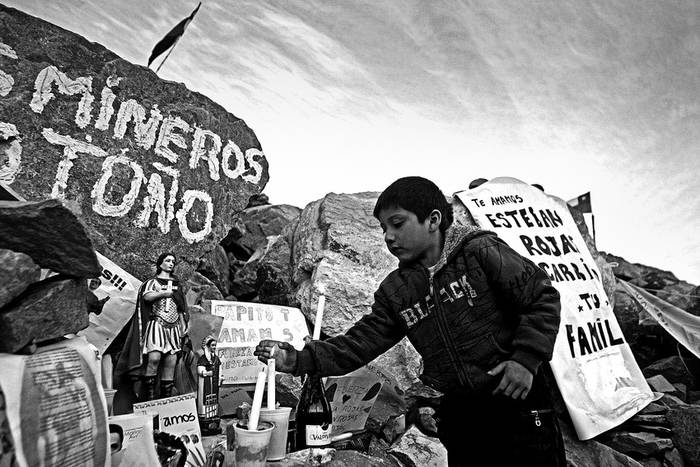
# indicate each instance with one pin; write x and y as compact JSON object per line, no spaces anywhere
{"x":257,"y":401}
{"x":271,"y":383}
{"x":319,"y":317}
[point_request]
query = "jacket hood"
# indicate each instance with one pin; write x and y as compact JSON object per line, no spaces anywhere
{"x":455,"y":236}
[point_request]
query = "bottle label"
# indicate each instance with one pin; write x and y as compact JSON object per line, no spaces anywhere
{"x":317,"y":436}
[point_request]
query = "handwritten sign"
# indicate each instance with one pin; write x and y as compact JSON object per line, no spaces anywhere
{"x":245,"y":324}
{"x":352,"y":398}
{"x":178,"y":416}
{"x":597,"y":374}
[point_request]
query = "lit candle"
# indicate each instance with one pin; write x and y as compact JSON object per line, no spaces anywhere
{"x":319,"y":317}
{"x":271,"y":383}
{"x":257,"y":401}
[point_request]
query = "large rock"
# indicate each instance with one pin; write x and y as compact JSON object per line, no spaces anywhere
{"x":46,"y":310}
{"x":261,"y":237}
{"x":414,"y":449}
{"x":338,"y":246}
{"x":274,"y":272}
{"x":672,"y":368}
{"x":638,"y":443}
{"x":50,"y":234}
{"x":257,"y":223}
{"x":685,"y":423}
{"x":214,"y":265}
{"x":592,"y":453}
{"x":199,"y":289}
{"x":147,"y":164}
{"x":17,"y":272}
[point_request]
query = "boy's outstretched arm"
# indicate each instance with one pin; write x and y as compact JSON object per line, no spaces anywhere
{"x":527,"y":292}
{"x":371,"y":336}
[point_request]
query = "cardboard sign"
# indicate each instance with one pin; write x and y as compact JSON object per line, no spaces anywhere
{"x":352,"y":397}
{"x":246,"y":324}
{"x":131,"y":441}
{"x":178,"y":416}
{"x":597,"y":374}
{"x":120,"y":289}
{"x":55,"y":407}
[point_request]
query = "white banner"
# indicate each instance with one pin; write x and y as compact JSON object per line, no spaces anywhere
{"x":683,"y":326}
{"x":178,"y":416}
{"x":117,"y":289}
{"x":55,"y":406}
{"x":245,"y":324}
{"x":595,"y":370}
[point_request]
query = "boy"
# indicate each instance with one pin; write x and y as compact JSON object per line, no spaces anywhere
{"x":483,"y":318}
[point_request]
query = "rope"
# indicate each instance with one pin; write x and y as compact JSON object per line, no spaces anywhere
{"x":678,"y":349}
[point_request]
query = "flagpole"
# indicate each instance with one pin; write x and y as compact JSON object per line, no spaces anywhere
{"x":168,"y":54}
{"x":593,"y":225}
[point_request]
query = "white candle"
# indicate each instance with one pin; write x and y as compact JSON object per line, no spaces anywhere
{"x":319,"y":317}
{"x":257,"y":401}
{"x":271,"y":383}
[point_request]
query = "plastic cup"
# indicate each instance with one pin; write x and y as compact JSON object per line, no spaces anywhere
{"x":109,"y":397}
{"x":251,"y":445}
{"x":278,"y":440}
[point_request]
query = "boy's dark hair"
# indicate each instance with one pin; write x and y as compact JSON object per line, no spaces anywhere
{"x":417,"y":195}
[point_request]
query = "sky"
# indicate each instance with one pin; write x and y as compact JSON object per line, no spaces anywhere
{"x":346,"y":96}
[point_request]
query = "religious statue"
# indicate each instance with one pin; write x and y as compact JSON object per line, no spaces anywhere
{"x":208,"y":388}
{"x":156,"y":331}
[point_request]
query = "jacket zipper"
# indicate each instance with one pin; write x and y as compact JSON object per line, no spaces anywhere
{"x":444,"y":330}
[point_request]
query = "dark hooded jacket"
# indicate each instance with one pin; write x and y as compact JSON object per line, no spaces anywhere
{"x":482,"y":304}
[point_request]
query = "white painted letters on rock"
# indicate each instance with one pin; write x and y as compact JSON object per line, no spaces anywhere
{"x":134,"y":154}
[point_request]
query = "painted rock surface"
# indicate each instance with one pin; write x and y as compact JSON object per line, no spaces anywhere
{"x":147,"y":164}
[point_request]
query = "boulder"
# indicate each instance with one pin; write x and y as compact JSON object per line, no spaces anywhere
{"x":146,"y":164}
{"x":672,"y":368}
{"x":199,"y":288}
{"x":591,"y":452}
{"x":259,"y":222}
{"x":673,"y":458}
{"x":638,"y":443}
{"x":338,"y":246}
{"x":50,"y":234}
{"x":274,"y":273}
{"x":672,"y":401}
{"x":685,"y":423}
{"x":653,"y":408}
{"x":17,"y":272}
{"x":214,"y":266}
{"x":660,"y":384}
{"x":414,"y":449}
{"x":46,"y":310}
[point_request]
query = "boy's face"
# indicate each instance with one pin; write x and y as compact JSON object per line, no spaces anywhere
{"x":408,"y":239}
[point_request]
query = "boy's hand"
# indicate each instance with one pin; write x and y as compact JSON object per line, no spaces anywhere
{"x":516,"y":381}
{"x":284,"y":354}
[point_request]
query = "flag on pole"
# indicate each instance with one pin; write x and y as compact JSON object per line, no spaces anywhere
{"x":172,"y":37}
{"x":582,"y":203}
